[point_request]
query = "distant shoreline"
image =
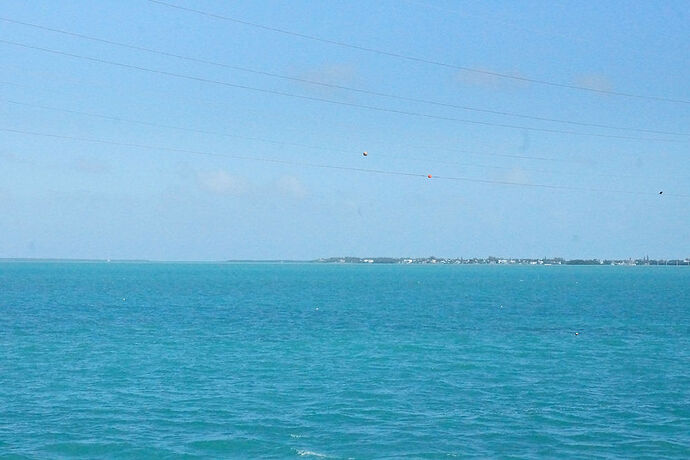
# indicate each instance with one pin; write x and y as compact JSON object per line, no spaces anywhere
{"x":149,"y":261}
{"x":501,"y":261}
{"x":381,"y":261}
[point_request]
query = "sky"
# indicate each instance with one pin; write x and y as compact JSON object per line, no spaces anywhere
{"x":162,"y":158}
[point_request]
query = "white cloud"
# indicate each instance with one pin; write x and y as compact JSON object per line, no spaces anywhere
{"x":222,"y":183}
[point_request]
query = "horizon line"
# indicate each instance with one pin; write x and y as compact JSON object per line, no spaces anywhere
{"x":325,"y":259}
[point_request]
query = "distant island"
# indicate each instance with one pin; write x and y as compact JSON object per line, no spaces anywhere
{"x":377,"y":260}
{"x":498,"y":261}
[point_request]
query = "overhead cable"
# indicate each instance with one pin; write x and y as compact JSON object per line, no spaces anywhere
{"x":341,"y":87}
{"x":329,"y":101}
{"x":283,"y":143}
{"x":426,"y":147}
{"x":335,"y":167}
{"x":418,"y":59}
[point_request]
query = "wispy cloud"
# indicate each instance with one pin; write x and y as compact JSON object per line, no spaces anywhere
{"x":225,"y":183}
{"x":292,"y":187}
{"x":222,"y":182}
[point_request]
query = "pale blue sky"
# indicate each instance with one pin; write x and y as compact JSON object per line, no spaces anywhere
{"x":74,"y":199}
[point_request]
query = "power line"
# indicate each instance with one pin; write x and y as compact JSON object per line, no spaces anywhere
{"x":69,"y":85}
{"x":166,"y":126}
{"x":282,"y":143}
{"x":332,"y":167}
{"x":329,"y":101}
{"x":554,"y":187}
{"x":211,"y":154}
{"x":336,"y":86}
{"x":426,"y":147}
{"x":500,"y":168}
{"x":494,"y":19}
{"x":417,"y":59}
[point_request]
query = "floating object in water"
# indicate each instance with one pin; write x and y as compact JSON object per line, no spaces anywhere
{"x":577,"y":333}
{"x":365,"y":153}
{"x":428,"y":176}
{"x":661,"y":192}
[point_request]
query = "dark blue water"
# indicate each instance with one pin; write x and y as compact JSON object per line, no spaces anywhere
{"x":283,"y":361}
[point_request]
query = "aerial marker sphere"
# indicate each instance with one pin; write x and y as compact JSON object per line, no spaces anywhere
{"x":365,"y":153}
{"x":429,"y":176}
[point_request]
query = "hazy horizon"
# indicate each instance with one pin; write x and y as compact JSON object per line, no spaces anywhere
{"x":256,"y":152}
{"x":316,"y":260}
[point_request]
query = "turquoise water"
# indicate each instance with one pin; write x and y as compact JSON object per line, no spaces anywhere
{"x":308,"y":361}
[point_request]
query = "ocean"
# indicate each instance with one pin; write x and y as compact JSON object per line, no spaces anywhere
{"x":147,"y":360}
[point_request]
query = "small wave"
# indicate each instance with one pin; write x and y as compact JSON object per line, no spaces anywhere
{"x":309,"y":453}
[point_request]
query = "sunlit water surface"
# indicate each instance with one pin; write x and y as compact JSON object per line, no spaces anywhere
{"x":347,"y":361}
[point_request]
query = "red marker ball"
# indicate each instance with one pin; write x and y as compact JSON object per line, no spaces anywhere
{"x":429,"y":176}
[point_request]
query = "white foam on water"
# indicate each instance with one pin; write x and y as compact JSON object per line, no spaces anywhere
{"x":309,"y":453}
